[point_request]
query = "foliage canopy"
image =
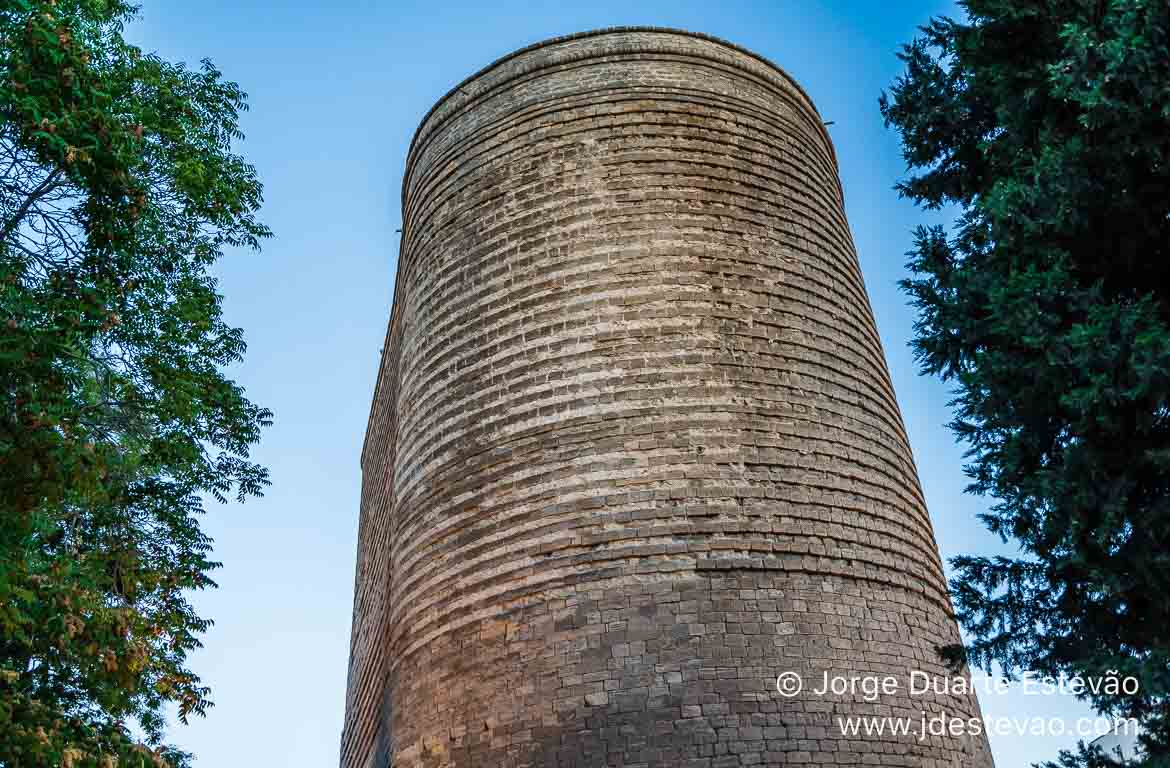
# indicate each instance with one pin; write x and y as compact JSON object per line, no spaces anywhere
{"x":1048,"y":307}
{"x":119,"y":190}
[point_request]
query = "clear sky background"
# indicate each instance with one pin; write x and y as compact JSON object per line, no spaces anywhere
{"x":336,"y":90}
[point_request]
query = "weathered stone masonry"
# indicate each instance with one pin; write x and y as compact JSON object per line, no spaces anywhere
{"x":634,"y":449}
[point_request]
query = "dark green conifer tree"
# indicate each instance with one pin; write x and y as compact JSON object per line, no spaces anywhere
{"x":1047,"y":305}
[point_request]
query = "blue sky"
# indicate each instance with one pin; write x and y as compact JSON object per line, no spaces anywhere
{"x":336,"y":91}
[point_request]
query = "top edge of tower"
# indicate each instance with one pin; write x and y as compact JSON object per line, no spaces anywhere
{"x":617,"y":30}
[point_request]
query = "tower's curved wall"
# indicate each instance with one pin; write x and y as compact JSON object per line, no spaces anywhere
{"x":634,"y":449}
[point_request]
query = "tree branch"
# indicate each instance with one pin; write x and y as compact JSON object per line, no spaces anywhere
{"x":45,"y":187}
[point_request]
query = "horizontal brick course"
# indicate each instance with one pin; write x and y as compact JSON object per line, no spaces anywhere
{"x":634,"y":450}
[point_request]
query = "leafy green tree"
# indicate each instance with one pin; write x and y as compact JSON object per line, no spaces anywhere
{"x":119,"y":191}
{"x":1047,"y":305}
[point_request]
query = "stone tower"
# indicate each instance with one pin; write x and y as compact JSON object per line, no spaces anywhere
{"x":633,"y":450}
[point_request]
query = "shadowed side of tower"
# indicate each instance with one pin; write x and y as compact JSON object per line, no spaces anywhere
{"x":634,"y":449}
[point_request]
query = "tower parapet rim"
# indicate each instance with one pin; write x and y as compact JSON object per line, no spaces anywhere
{"x":455,"y":91}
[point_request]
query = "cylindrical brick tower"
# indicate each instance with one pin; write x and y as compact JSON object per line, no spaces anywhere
{"x":634,"y":451}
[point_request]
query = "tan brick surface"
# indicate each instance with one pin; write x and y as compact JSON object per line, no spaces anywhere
{"x":634,"y":449}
